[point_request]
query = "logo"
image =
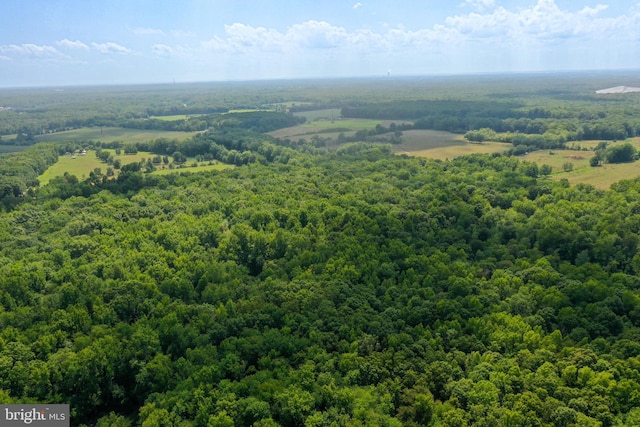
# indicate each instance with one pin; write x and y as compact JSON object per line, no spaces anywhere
{"x":36,"y":415}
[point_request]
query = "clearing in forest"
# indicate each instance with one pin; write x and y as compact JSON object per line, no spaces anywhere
{"x":112,"y":134}
{"x":443,"y":145}
{"x":82,"y":166}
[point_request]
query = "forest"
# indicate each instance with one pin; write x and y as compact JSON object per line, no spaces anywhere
{"x":311,"y":286}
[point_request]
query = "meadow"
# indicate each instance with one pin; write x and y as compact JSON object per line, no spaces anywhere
{"x":443,"y":145}
{"x":111,"y":134}
{"x":4,"y":149}
{"x":82,"y":166}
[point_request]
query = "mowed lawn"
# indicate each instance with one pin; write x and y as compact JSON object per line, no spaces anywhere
{"x":111,"y":134}
{"x":81,"y":166}
{"x":443,"y":145}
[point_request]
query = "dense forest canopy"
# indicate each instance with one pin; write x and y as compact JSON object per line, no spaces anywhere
{"x":316,"y":287}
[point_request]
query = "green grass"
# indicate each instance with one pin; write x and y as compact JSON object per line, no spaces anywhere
{"x":325,"y":127}
{"x":5,"y":149}
{"x":202,"y":167}
{"x":600,"y":177}
{"x":111,"y":134}
{"x":82,"y":166}
{"x":174,"y":117}
{"x":579,"y":159}
{"x":325,"y":114}
{"x":443,"y":145}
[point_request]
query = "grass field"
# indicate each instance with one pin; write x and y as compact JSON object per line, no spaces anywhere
{"x":443,"y":145}
{"x":202,"y":167}
{"x":174,"y":117}
{"x":81,"y":166}
{"x":5,"y":149}
{"x":323,"y":127}
{"x":600,"y":177}
{"x":325,"y":114}
{"x":110,"y":134}
{"x":579,"y":159}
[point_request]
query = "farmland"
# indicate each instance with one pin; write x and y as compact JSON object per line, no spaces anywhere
{"x":111,"y":134}
{"x":351,"y":270}
{"x":82,"y":166}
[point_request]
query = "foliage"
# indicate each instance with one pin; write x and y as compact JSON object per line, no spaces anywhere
{"x":350,"y":288}
{"x":321,"y":287}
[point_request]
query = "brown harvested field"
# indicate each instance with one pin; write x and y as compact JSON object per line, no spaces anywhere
{"x":443,"y":145}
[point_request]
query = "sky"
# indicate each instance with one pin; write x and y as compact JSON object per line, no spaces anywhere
{"x":108,"y":42}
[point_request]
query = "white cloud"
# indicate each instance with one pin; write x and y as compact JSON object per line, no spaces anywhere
{"x":110,"y":47}
{"x":147,"y":31}
{"x":542,"y":23}
{"x":182,"y":34}
{"x":593,"y":11}
{"x":4,"y":58}
{"x":357,"y":5}
{"x":30,"y":50}
{"x":480,"y":4}
{"x":66,"y":43}
{"x":162,"y":50}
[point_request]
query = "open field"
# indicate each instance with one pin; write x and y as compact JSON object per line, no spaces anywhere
{"x":110,"y":134}
{"x":600,"y":177}
{"x":557,"y":158}
{"x":174,"y":117}
{"x":202,"y":167}
{"x":324,"y":127}
{"x":325,"y":114}
{"x":443,"y":145}
{"x":4,"y":149}
{"x":82,"y":166}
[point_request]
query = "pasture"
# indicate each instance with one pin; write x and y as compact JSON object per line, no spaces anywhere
{"x":600,"y":177}
{"x":5,"y":149}
{"x":82,"y":166}
{"x":558,"y":158}
{"x":443,"y":145}
{"x":112,"y":134}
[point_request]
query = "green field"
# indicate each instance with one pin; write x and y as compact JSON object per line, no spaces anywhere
{"x":558,"y":158}
{"x":324,"y":114}
{"x":174,"y":117}
{"x":81,"y":166}
{"x":5,"y":149}
{"x":202,"y":167}
{"x":600,"y":177}
{"x":111,"y":134}
{"x":326,"y":127}
{"x":443,"y":145}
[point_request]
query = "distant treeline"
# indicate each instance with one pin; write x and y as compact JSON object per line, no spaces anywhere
{"x":543,"y":127}
{"x":258,"y":121}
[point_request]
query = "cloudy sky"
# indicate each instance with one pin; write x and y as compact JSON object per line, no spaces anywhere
{"x":80,"y":42}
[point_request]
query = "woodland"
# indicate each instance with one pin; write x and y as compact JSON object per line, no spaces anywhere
{"x":317,"y":286}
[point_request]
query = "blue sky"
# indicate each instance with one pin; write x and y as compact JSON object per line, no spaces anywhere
{"x":81,"y":42}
